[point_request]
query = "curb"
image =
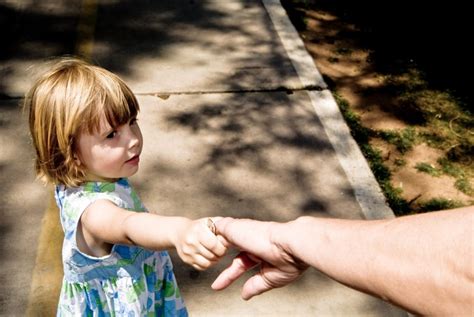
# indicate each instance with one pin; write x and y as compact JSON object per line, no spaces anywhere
{"x":366,"y":189}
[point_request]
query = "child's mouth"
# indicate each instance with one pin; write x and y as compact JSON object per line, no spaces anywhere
{"x":134,"y":160}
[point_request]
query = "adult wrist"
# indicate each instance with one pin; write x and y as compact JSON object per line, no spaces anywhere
{"x":300,"y":238}
{"x":283,"y":235}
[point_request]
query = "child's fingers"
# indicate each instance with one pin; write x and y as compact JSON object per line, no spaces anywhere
{"x":222,"y":246}
{"x":211,"y":223}
{"x":201,"y":263}
{"x":198,"y":248}
{"x":207,"y":253}
{"x":223,"y":241}
{"x":211,"y":240}
{"x":215,"y":244}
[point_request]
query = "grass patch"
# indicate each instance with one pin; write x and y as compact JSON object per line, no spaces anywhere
{"x":428,"y":169}
{"x":457,"y":171}
{"x":381,"y":172}
{"x":400,"y":162}
{"x":403,"y":140}
{"x":360,"y":133}
{"x":344,"y":51}
{"x":449,"y":168}
{"x":414,"y":89}
{"x":464,"y":185}
{"x":436,"y":204}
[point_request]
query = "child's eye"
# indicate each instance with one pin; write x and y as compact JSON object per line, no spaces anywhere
{"x":111,"y":135}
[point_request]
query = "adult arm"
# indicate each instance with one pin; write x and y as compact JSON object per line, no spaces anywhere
{"x":423,"y":263}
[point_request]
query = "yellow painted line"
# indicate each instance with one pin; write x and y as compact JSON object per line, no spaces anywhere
{"x":48,"y":270}
{"x":86,"y":29}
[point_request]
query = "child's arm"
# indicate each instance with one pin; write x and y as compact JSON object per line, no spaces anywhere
{"x":103,"y":224}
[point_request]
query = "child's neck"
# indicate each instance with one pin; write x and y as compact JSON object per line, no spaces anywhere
{"x":96,"y":178}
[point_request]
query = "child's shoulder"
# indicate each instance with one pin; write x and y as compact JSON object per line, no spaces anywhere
{"x":120,"y":192}
{"x":90,"y":191}
{"x":94,"y":187}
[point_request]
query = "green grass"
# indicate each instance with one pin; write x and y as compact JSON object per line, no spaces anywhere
{"x":439,"y":204}
{"x":400,"y":162}
{"x":344,"y":51}
{"x":428,"y":169}
{"x":457,"y":171}
{"x":435,"y":115}
{"x":381,"y":172}
{"x":464,"y":185}
{"x":450,"y":168}
{"x":403,"y":140}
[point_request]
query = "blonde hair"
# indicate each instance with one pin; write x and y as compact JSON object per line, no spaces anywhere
{"x":67,"y":100}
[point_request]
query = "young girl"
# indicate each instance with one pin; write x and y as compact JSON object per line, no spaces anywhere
{"x":83,"y":121}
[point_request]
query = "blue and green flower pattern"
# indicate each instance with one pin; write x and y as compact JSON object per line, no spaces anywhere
{"x":130,"y":281}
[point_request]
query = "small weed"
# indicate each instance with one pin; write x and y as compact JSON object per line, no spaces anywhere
{"x":428,"y":169}
{"x":462,"y":152}
{"x":360,"y":133}
{"x":403,"y":140}
{"x":439,"y":204}
{"x":464,"y":185}
{"x":400,"y":162}
{"x":344,"y":51}
{"x":394,"y":198}
{"x":449,"y":168}
{"x":453,"y":169}
{"x":381,"y":172}
{"x":432,"y":138}
{"x":411,"y":79}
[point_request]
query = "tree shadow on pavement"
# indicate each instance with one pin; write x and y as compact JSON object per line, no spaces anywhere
{"x":261,"y":155}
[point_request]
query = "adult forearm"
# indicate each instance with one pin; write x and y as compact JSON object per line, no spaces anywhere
{"x":422,"y":263}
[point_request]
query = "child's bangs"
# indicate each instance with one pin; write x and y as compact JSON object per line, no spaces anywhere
{"x":118,"y":107}
{"x":119,"y":112}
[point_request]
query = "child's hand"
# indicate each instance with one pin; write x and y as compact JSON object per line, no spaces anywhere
{"x":198,"y":246}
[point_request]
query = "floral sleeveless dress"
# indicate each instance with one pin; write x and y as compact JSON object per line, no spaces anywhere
{"x":130,"y":281}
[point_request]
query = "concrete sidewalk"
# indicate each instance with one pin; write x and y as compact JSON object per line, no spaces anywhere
{"x":235,"y":122}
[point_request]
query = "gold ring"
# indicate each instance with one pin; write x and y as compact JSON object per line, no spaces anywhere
{"x":212,"y":226}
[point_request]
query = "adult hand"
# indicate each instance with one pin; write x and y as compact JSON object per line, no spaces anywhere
{"x":259,"y":244}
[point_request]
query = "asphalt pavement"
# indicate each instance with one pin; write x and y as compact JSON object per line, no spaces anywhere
{"x":237,"y":121}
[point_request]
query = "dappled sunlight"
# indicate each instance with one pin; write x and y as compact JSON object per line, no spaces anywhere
{"x":264,"y":155}
{"x":224,"y":135}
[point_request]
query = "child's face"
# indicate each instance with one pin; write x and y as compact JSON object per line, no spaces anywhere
{"x":110,"y":153}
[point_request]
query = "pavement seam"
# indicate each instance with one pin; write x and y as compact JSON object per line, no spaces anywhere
{"x":366,"y":189}
{"x":166,"y":94}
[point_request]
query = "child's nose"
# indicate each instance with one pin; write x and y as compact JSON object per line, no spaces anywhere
{"x":133,"y":136}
